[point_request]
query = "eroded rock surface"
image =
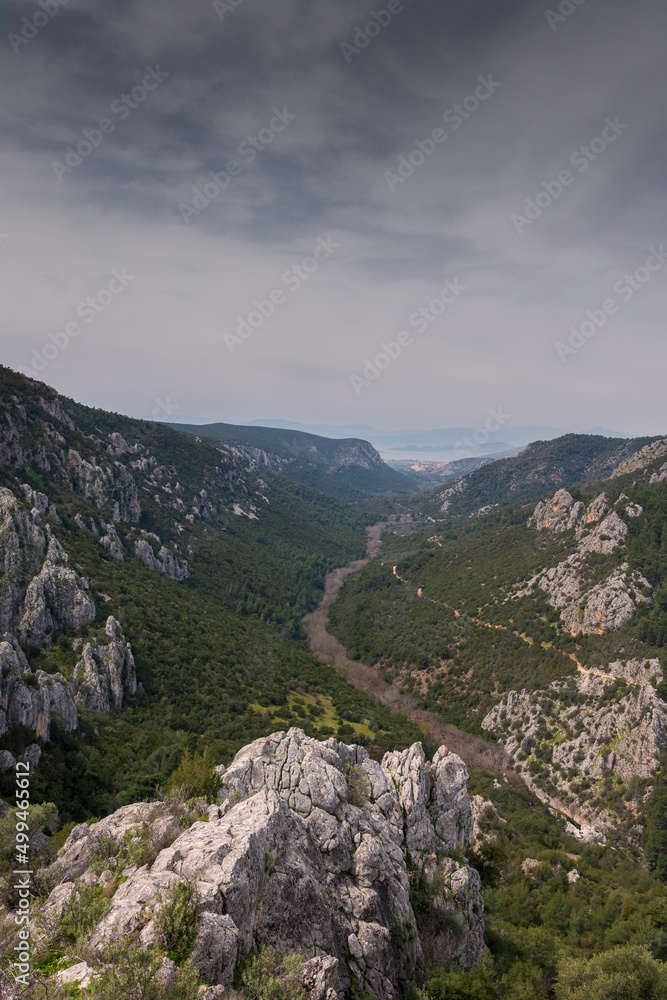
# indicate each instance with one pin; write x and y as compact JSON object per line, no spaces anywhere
{"x":588,"y":607}
{"x":105,"y":673}
{"x":309,"y":849}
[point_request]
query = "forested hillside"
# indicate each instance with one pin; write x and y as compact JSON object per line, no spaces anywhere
{"x":542,"y":627}
{"x":207,"y":563}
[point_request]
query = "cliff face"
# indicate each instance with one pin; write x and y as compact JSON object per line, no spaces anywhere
{"x":313,"y":846}
{"x":585,"y":608}
{"x":105,"y":674}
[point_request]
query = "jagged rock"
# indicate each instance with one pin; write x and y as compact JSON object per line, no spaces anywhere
{"x":307,"y":850}
{"x":573,"y":876}
{"x":104,"y":674}
{"x":111,"y":542}
{"x":587,"y":609}
{"x":29,"y":699}
{"x":595,"y":738}
{"x":608,"y":606}
{"x":7,"y":761}
{"x":433,"y":798}
{"x":166,"y":562}
{"x":561,"y":513}
{"x":22,"y":545}
{"x":110,"y":488}
{"x":54,"y":599}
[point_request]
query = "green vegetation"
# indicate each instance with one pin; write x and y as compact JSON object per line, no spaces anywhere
{"x":546,"y":934}
{"x":195,"y":777}
{"x":270,"y":975}
{"x":176,"y":920}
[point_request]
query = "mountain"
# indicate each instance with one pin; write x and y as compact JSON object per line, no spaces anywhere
{"x":571,"y":460}
{"x":324,"y":463}
{"x":151,"y":598}
{"x":543,"y":625}
{"x":215,"y":813}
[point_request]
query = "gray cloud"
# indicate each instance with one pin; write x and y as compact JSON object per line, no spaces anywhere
{"x":325,"y":174}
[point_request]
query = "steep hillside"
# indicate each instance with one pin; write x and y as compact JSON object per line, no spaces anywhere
{"x":324,"y":463}
{"x":151,"y":596}
{"x":572,"y":460}
{"x":542,"y":626}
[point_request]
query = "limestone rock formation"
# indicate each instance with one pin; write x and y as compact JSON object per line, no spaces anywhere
{"x":55,"y":598}
{"x":110,"y":488}
{"x":22,"y":544}
{"x":586,"y":607}
{"x":313,"y":846}
{"x":32,"y":699}
{"x":104,"y":674}
{"x":580,"y":736}
{"x":165,"y":562}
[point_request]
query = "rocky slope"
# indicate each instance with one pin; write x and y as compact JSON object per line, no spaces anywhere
{"x":599,"y":528}
{"x":312,"y":847}
{"x":585,"y":741}
{"x":349,"y":461}
{"x":567,"y":461}
{"x":41,"y":597}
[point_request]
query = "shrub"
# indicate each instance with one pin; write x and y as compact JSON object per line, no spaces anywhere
{"x":270,"y":975}
{"x":195,"y":777}
{"x":176,"y":920}
{"x":89,"y":905}
{"x":626,"y":973}
{"x":133,"y":974}
{"x":358,"y":785}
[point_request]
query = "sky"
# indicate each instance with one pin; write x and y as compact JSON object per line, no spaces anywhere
{"x":403,"y":214}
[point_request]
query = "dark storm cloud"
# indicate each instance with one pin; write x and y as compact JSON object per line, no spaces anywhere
{"x":358,"y":117}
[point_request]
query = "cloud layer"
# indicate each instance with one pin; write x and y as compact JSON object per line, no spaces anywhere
{"x":328,"y":121}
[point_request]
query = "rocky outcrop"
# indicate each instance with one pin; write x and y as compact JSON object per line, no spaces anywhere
{"x":165,"y":562}
{"x":32,"y":699}
{"x":639,"y":461}
{"x":36,"y":607}
{"x":573,"y":734}
{"x":588,"y":607}
{"x":105,"y":674}
{"x":22,"y":543}
{"x":110,"y":541}
{"x":110,"y":488}
{"x":55,"y":598}
{"x":312,"y":847}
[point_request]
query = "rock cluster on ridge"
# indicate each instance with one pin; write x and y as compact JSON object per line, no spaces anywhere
{"x":585,"y":608}
{"x":313,"y":847}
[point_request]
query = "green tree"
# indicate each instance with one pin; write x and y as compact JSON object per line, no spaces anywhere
{"x":626,"y":973}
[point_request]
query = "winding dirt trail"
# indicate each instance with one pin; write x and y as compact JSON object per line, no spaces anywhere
{"x":526,"y":638}
{"x":474,"y":750}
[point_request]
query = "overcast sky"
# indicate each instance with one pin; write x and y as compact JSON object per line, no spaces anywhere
{"x":315,"y":117}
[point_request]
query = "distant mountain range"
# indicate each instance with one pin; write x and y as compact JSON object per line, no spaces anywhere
{"x":445,"y":443}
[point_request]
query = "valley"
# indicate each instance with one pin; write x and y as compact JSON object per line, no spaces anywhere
{"x":475,"y":751}
{"x":447,"y":706}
